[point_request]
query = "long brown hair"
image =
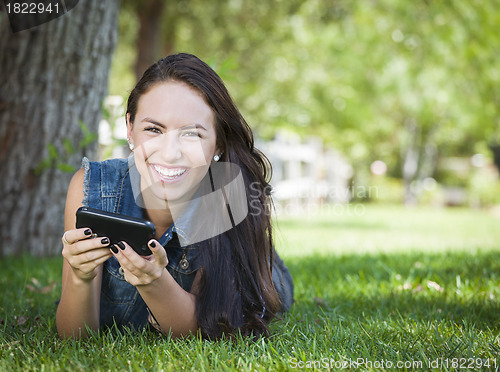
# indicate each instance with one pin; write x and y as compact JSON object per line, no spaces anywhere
{"x":236,"y":292}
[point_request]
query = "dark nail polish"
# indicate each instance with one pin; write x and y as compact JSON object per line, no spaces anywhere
{"x":152,"y":244}
{"x":121,"y":245}
{"x":87,"y":232}
{"x":114,"y":249}
{"x":104,"y":241}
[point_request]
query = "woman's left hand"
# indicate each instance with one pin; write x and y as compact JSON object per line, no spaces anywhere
{"x":141,"y":270}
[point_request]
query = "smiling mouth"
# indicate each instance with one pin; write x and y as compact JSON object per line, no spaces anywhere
{"x":169,"y":174}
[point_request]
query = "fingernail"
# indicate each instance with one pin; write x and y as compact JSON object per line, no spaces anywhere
{"x":87,"y":232}
{"x":104,"y":241}
{"x":152,"y":244}
{"x":121,"y":245}
{"x":114,"y":249}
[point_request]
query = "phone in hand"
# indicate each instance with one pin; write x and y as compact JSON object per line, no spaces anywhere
{"x":136,"y":232}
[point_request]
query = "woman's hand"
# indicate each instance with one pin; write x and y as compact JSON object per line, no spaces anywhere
{"x":83,"y":253}
{"x":141,"y":270}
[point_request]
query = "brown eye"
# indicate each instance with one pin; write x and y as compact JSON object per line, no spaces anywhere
{"x":153,"y":130}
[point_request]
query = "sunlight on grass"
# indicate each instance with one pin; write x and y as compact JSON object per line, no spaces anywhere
{"x":377,"y":229}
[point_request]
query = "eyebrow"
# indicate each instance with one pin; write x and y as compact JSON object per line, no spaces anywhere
{"x":156,"y":122}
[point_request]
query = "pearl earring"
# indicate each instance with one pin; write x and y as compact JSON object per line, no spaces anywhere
{"x":130,"y":145}
{"x":217,"y":157}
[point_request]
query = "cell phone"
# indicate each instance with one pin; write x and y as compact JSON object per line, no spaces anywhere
{"x":136,"y":232}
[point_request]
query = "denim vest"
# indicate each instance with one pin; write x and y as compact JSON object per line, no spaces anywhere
{"x":107,"y":186}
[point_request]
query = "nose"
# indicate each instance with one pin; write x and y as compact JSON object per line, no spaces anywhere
{"x":170,"y":147}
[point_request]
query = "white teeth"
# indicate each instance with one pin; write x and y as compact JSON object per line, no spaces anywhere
{"x":169,"y":172}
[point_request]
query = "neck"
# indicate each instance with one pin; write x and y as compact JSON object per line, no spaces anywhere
{"x":157,"y":211}
{"x":162,"y":218}
{"x":160,"y":211}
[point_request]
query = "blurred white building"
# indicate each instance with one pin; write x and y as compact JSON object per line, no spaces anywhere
{"x":306,"y":172}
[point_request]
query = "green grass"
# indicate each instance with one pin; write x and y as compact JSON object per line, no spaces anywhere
{"x":385,"y":284}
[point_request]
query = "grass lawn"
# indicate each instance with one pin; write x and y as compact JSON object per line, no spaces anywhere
{"x":385,"y":287}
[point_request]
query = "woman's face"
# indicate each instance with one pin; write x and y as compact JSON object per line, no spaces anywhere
{"x":174,"y":141}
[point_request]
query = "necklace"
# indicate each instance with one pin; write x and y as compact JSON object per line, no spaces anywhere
{"x":184,"y":263}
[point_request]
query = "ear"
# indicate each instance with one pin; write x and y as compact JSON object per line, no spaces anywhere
{"x":129,"y":126}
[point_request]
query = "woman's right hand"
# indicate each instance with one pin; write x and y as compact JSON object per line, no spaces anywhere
{"x":84,"y":253}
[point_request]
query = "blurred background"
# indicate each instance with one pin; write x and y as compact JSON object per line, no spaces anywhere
{"x":355,"y":103}
{"x":383,"y":101}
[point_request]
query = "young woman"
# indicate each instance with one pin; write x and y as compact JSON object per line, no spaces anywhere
{"x":205,"y":273}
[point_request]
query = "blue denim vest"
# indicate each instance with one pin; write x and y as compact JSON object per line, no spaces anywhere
{"x":107,"y":186}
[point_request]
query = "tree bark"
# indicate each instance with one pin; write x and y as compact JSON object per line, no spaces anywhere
{"x":53,"y":79}
{"x":148,"y":42}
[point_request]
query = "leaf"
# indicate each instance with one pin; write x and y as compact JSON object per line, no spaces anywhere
{"x":88,"y":139}
{"x":83,"y":127}
{"x":66,"y":168}
{"x":42,"y":166}
{"x":53,"y":153}
{"x":68,"y":147}
{"x":88,"y":135}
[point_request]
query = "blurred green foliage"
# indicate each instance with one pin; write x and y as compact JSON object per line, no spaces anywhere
{"x":376,"y":79}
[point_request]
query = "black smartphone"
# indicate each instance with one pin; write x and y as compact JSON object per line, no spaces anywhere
{"x":137,"y":232}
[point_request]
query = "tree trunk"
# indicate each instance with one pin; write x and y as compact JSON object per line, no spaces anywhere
{"x":148,"y":42}
{"x":495,"y":149}
{"x":53,"y":79}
